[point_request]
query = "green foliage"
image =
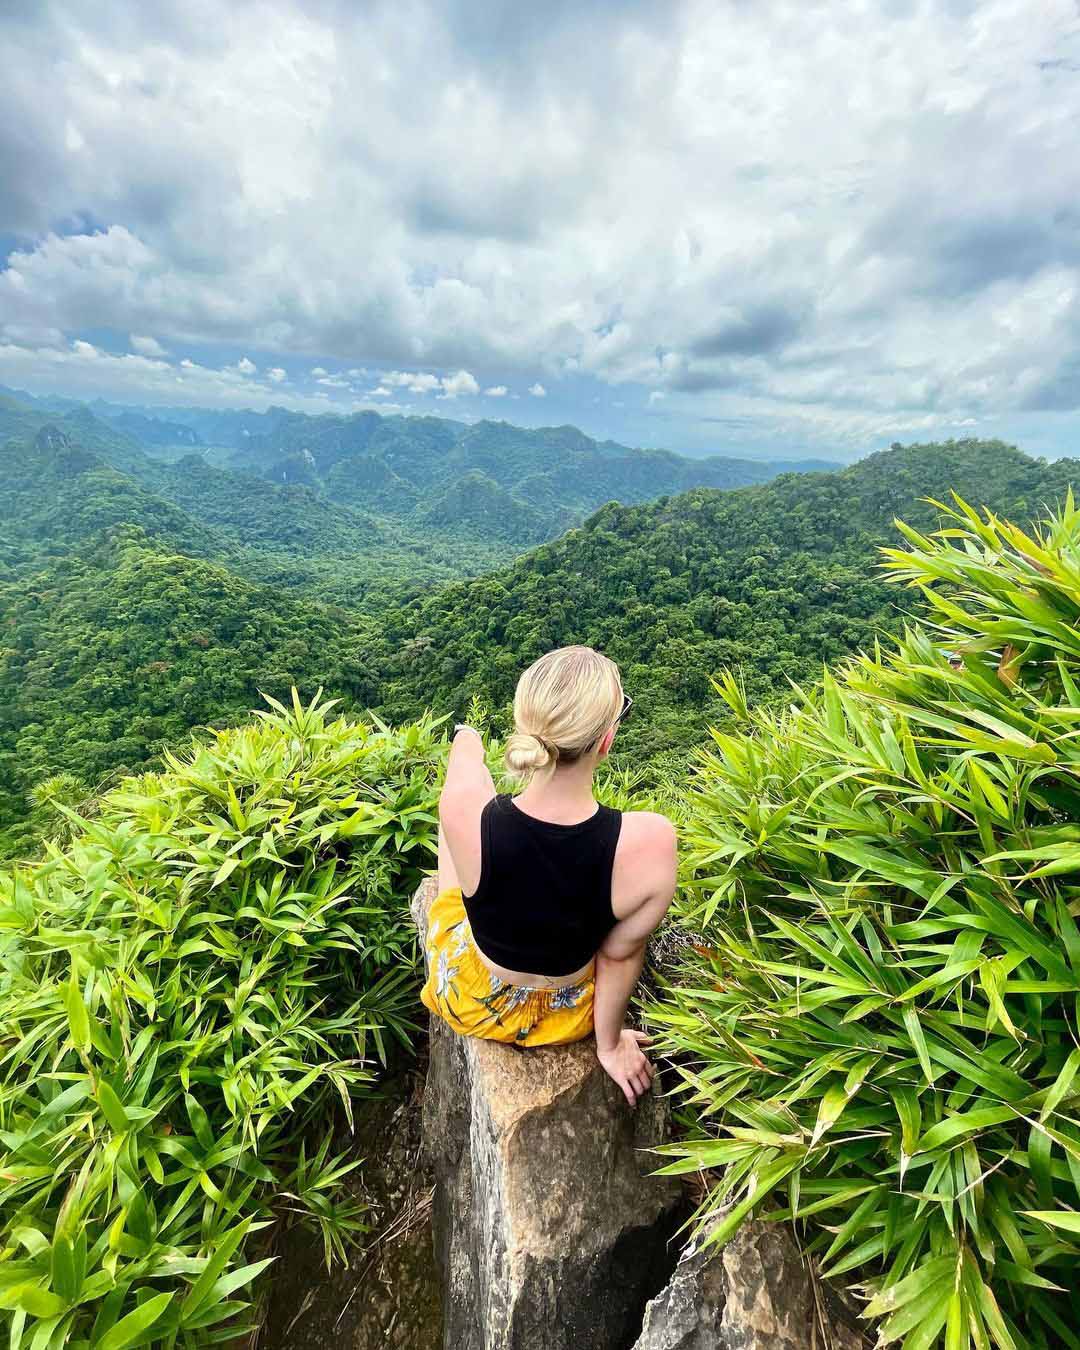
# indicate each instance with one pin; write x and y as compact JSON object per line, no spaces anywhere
{"x":878,"y":1027}
{"x":531,"y":483}
{"x":221,"y":952}
{"x":110,"y":655}
{"x":358,"y":509}
{"x":774,"y":580}
{"x":76,"y":477}
{"x":115,"y":650}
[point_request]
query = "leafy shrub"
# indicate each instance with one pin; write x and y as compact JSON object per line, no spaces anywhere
{"x":185,"y":986}
{"x":879,"y":1025}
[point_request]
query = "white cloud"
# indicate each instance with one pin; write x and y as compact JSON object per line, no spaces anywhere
{"x":84,"y":370}
{"x":798,"y":259}
{"x":276,"y":375}
{"x":496,"y":391}
{"x":424,"y":382}
{"x":246,"y":367}
{"x":537,"y":390}
{"x":380,"y":392}
{"x":419,"y":382}
{"x":145,"y":346}
{"x":460,"y":383}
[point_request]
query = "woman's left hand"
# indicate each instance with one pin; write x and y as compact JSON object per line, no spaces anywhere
{"x":628,"y":1064}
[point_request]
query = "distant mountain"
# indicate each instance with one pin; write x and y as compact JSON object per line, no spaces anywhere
{"x":477,"y":503}
{"x":56,"y":492}
{"x":773,"y":579}
{"x":549,"y":477}
{"x":416,"y":497}
{"x":64,"y":478}
{"x":152,"y":431}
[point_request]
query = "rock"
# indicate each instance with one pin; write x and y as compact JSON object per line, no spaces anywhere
{"x":51,"y":438}
{"x":387,"y":1295}
{"x":549,"y":1232}
{"x":755,"y":1293}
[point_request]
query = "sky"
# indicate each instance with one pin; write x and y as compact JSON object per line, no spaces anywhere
{"x":738,"y":226}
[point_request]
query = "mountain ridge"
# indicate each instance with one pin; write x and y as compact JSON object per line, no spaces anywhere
{"x":117,"y":648}
{"x":419,"y":497}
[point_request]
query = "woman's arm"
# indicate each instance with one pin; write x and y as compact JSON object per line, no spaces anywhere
{"x":467,"y":788}
{"x":467,"y":773}
{"x":618,"y":967}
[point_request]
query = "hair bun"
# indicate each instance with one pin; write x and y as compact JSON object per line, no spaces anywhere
{"x":525,"y":753}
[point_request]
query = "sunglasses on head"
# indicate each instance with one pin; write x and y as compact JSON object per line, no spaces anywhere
{"x":626,"y":704}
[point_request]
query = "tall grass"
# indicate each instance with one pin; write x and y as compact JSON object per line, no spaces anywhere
{"x":877,"y":1029}
{"x":185,"y":986}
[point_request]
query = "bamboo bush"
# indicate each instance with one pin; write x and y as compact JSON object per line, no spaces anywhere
{"x":876,"y":1029}
{"x":186,"y":985}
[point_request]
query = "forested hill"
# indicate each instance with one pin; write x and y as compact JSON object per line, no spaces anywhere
{"x":61,"y":484}
{"x":545,"y":478}
{"x":773,"y":580}
{"x":342,"y":505}
{"x":114,"y":650}
{"x":119,"y":649}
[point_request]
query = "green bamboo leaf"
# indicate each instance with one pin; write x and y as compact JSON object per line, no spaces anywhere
{"x":32,"y":1299}
{"x":764,"y":1183}
{"x":77,"y":1014}
{"x":225,"y":871}
{"x":916,"y":1285}
{"x":200,"y":1293}
{"x":906,"y":1101}
{"x":1061,"y":1086}
{"x":112,"y":1107}
{"x":1066,"y":1219}
{"x":1040,"y":1148}
{"x":236,"y":1279}
{"x":830,"y":1110}
{"x":960,"y":1126}
{"x":200,"y":1122}
{"x":65,"y":1282}
{"x":915,"y":1031}
{"x":133,"y":1330}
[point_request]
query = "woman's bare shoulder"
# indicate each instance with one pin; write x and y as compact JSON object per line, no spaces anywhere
{"x":647,"y":834}
{"x":648,"y":826}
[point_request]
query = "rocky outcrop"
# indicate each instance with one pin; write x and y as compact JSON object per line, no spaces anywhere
{"x":549,"y":1232}
{"x":754,"y":1293}
{"x":50,"y":439}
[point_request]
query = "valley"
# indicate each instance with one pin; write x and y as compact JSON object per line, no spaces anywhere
{"x":148,"y":593}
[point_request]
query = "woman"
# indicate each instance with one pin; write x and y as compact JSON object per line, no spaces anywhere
{"x":546,"y":899}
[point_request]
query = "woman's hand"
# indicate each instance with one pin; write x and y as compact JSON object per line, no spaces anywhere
{"x":628,"y":1064}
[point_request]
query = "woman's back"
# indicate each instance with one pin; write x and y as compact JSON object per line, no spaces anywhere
{"x":543,"y":901}
{"x":546,"y":900}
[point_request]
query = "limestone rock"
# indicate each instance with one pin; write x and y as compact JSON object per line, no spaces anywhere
{"x":50,"y":437}
{"x":549,"y":1232}
{"x":754,"y":1293}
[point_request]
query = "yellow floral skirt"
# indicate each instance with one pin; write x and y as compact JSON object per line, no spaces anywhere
{"x":469,"y":998}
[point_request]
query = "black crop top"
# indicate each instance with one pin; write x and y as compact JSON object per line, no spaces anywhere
{"x":543,"y":902}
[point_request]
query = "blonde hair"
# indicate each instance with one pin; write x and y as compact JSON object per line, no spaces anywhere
{"x":563,"y":704}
